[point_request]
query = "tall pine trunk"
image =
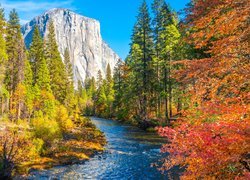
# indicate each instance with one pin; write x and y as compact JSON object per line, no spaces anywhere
{"x":144,"y":103}
{"x":158,"y":95}
{"x":170,"y":89}
{"x":165,"y":94}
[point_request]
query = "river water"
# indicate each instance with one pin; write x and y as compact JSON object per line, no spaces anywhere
{"x":129,"y":154}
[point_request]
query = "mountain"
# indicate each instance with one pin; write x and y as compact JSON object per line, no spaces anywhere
{"x":81,"y":35}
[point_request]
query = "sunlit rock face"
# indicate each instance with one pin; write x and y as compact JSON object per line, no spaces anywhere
{"x":81,"y":35}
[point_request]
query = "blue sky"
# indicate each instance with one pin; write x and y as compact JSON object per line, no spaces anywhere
{"x":117,"y":17}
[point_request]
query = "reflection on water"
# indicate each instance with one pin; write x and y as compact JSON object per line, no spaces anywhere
{"x":128,"y":155}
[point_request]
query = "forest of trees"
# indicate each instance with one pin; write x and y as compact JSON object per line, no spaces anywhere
{"x":34,"y":82}
{"x":191,"y":76}
{"x":143,"y":88}
{"x":39,"y":106}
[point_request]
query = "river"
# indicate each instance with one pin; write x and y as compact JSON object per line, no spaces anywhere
{"x":129,"y":154}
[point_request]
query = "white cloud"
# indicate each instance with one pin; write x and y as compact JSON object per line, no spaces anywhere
{"x":27,"y":6}
{"x":28,"y":9}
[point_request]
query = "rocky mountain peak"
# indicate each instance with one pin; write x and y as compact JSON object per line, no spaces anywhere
{"x":81,"y":35}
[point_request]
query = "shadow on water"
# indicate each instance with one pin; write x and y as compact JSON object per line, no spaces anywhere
{"x":128,"y":155}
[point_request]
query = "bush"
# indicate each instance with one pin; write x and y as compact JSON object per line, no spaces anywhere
{"x":38,"y":146}
{"x":84,"y":121}
{"x":45,"y":129}
{"x":63,"y":119}
{"x":14,"y":149}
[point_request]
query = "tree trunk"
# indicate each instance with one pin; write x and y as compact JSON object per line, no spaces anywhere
{"x":144,"y":103}
{"x":170,"y":101}
{"x":19,"y":110}
{"x":11,"y":105}
{"x":170,"y":87}
{"x":166,"y":96}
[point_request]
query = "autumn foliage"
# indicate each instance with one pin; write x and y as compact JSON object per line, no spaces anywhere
{"x":210,"y":145}
{"x":212,"y":138}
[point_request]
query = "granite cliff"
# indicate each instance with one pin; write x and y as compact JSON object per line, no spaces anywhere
{"x":81,"y":35}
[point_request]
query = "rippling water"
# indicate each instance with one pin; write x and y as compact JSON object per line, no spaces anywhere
{"x":128,"y":155}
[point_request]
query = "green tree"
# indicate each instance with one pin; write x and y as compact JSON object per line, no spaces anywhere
{"x":109,"y":91}
{"x":3,"y":60}
{"x":56,"y":67}
{"x":140,"y":59}
{"x":121,"y":102}
{"x":170,"y":36}
{"x":166,"y":38}
{"x":16,"y":58}
{"x":68,"y":66}
{"x":109,"y":76}
{"x":158,"y":25}
{"x":70,"y":95}
{"x":36,"y":52}
{"x":43,"y":76}
{"x":3,"y":54}
{"x":29,"y":95}
{"x":99,"y":78}
{"x":101,"y":103}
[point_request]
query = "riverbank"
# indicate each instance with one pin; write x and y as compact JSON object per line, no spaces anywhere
{"x":147,"y":126}
{"x":129,"y":154}
{"x":76,"y":145}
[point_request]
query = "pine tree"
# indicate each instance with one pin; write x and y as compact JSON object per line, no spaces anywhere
{"x":157,"y":25}
{"x":141,"y":58}
{"x":29,"y":95}
{"x":43,"y":97}
{"x":39,"y":97}
{"x":126,"y":100}
{"x":70,"y":96}
{"x":3,"y":60}
{"x":173,"y":36}
{"x":3,"y":54}
{"x":99,"y":78}
{"x":166,"y":37}
{"x":28,"y":74}
{"x":101,"y":104}
{"x":56,"y":67}
{"x":118,"y":79}
{"x":36,"y":52}
{"x":92,"y":87}
{"x":109,"y":90}
{"x":109,"y":74}
{"x":43,"y":77}
{"x":170,"y":37}
{"x":13,"y":28}
{"x":68,"y":66}
{"x":109,"y":80}
{"x":16,"y":58}
{"x":79,"y":87}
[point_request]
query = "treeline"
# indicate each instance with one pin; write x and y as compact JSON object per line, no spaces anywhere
{"x":142,"y":88}
{"x":34,"y":82}
{"x":97,"y":96}
{"x":38,"y":103}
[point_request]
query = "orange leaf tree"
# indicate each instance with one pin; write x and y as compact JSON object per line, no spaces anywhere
{"x":212,"y":139}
